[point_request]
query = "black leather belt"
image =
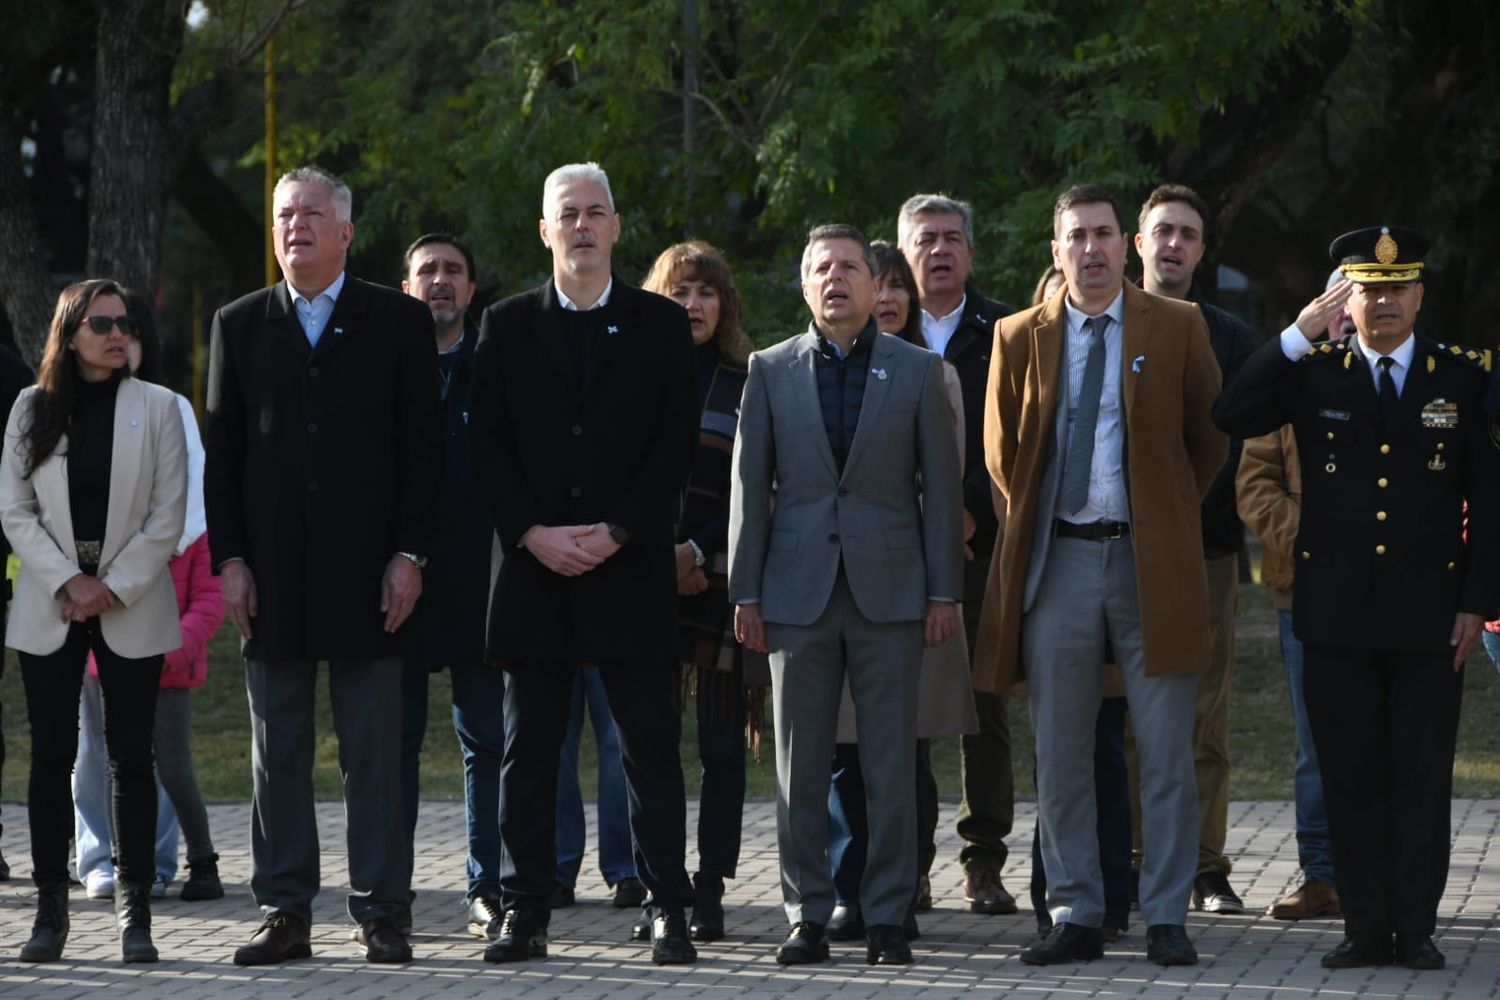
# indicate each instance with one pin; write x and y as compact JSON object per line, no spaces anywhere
{"x":1097,"y":531}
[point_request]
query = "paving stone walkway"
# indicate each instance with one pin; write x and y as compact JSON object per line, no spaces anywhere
{"x":1244,"y":957}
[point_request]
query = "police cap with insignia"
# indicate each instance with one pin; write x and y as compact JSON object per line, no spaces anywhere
{"x":1380,"y":255}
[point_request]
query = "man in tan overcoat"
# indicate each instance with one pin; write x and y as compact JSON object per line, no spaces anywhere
{"x":1097,"y":430}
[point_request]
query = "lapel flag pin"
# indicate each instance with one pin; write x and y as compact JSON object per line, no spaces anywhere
{"x":614,"y":330}
{"x":878,"y":373}
{"x":1137,"y":362}
{"x":338,"y":329}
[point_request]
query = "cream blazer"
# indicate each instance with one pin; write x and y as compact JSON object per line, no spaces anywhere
{"x":147,"y":504}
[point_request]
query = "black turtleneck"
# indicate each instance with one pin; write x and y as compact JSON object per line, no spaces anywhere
{"x":91,"y":438}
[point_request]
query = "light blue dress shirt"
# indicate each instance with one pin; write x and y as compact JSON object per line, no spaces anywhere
{"x":1108,"y":500}
{"x":314,"y":315}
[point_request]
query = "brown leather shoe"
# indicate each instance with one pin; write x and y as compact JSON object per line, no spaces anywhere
{"x":984,"y":892}
{"x":278,"y":938}
{"x":1311,"y":899}
{"x":383,"y":942}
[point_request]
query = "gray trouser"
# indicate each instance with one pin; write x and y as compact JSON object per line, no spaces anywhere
{"x":1087,"y":596}
{"x":883,"y":660}
{"x":366,"y":702}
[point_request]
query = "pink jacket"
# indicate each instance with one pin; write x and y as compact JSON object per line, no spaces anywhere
{"x":201,"y":607}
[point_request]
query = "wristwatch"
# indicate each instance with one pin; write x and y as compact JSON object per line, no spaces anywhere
{"x":698,"y":559}
{"x":619,"y":534}
{"x":418,"y":561}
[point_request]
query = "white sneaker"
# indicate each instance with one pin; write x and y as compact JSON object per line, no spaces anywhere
{"x":99,"y":884}
{"x":159,"y":886}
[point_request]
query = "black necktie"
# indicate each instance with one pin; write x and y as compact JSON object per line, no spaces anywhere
{"x":1387,"y":391}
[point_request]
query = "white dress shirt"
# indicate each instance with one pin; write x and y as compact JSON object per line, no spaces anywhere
{"x":571,"y":306}
{"x":939,"y":330}
{"x":1108,"y":499}
{"x":314,"y":315}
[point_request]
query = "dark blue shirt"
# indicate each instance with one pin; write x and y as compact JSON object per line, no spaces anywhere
{"x":841,"y":388}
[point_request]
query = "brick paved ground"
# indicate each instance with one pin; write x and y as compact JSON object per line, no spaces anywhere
{"x":1244,"y":957}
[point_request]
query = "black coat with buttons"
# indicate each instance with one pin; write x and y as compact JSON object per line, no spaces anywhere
{"x":1382,"y":557}
{"x":559,"y":443}
{"x":322,"y":462}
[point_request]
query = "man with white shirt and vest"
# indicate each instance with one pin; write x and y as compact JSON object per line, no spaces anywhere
{"x":1398,"y":566}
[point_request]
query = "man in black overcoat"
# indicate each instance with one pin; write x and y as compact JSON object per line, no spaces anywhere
{"x":1398,"y":566}
{"x":320,"y":483}
{"x":15,"y":375}
{"x":584,"y":418}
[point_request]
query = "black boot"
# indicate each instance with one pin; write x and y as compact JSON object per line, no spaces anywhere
{"x":133,"y":914}
{"x":708,"y":908}
{"x":50,"y":932}
{"x":203,"y":880}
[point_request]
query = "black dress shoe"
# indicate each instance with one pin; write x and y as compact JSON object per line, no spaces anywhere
{"x":561,"y":897}
{"x":708,"y":908}
{"x":909,"y":926}
{"x":629,"y":893}
{"x":1064,"y":944}
{"x":669,"y":938}
{"x":805,"y":944}
{"x":1416,"y":951}
{"x":278,"y":938}
{"x":383,"y":942}
{"x":1359,"y":951}
{"x":885,"y":944}
{"x":523,"y":935}
{"x":1168,"y":944}
{"x":846,"y":924}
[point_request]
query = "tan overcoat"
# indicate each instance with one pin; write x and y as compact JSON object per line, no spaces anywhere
{"x":1169,"y":382}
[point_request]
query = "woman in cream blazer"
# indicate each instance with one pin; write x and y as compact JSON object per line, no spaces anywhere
{"x":93,"y":491}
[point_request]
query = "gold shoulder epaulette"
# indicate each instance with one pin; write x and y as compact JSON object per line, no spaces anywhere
{"x":1324,"y":350}
{"x":1481,"y":358}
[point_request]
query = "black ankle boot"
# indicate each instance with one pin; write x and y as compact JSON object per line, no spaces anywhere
{"x":203,"y":880}
{"x":133,"y":914}
{"x":50,"y":932}
{"x":708,"y":908}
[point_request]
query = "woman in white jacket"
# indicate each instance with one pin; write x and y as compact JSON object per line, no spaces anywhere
{"x":93,"y":486}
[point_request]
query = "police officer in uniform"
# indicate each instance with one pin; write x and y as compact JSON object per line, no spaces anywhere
{"x":1390,"y":590}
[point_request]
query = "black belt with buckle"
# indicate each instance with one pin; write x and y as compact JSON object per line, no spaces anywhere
{"x":1096,"y":531}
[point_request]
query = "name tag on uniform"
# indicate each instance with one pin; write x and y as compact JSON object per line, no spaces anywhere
{"x":1334,"y":414}
{"x":1441,"y":414}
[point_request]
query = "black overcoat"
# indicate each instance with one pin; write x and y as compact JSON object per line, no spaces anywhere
{"x":322,"y":462}
{"x":968,"y":351}
{"x":447,"y":628}
{"x":614,"y":446}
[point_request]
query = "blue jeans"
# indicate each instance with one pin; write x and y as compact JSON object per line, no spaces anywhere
{"x":1492,"y":646}
{"x":92,"y":838}
{"x":1314,"y":849}
{"x":479,"y":722}
{"x":848,"y":821}
{"x":615,"y":858}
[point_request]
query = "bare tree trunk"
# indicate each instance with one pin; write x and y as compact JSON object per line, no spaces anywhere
{"x":24,"y":283}
{"x":133,"y":151}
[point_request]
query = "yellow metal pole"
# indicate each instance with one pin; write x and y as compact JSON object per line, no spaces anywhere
{"x":273,"y":274}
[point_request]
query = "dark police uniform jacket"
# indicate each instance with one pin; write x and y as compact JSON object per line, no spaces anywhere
{"x":1382,"y":557}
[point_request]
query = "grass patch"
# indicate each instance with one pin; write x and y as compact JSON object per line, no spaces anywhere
{"x":1261,"y":738}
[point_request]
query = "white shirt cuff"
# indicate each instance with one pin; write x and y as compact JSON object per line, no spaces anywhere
{"x":1293,"y":344}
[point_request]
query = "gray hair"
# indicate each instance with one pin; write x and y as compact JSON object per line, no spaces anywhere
{"x":838,"y":231}
{"x":1334,"y":277}
{"x":933,"y":204}
{"x":570,"y":173}
{"x":343,"y":198}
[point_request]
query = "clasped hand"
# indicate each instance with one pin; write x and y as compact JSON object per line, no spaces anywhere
{"x":86,"y":598}
{"x":570,"y":549}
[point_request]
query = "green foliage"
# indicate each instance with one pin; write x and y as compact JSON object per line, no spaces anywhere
{"x":806,"y":113}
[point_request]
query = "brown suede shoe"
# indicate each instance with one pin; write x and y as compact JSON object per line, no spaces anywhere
{"x":984,"y":892}
{"x":1311,"y":899}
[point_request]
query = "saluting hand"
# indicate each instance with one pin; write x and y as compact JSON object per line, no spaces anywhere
{"x":1314,"y":318}
{"x":399,"y":590}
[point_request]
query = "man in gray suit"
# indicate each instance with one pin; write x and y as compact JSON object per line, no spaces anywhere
{"x":845,"y":551}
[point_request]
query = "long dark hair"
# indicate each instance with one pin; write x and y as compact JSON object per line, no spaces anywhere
{"x":890,"y":263}
{"x":58,"y":378}
{"x":696,"y":260}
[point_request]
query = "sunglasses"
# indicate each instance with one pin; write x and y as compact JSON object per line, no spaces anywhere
{"x":102,"y":324}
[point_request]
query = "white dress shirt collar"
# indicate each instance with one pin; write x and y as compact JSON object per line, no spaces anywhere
{"x":939,"y":330}
{"x":1402,"y":356}
{"x":571,"y":306}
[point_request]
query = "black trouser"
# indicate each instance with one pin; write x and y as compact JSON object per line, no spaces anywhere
{"x":649,"y":728}
{"x":721,"y":751}
{"x":1386,"y":726}
{"x":53,"y":683}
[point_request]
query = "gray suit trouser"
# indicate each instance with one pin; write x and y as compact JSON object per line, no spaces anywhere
{"x":884,"y":662}
{"x":366,"y":702}
{"x":1087,"y":595}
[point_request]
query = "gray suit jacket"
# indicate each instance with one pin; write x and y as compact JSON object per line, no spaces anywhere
{"x":895,"y":516}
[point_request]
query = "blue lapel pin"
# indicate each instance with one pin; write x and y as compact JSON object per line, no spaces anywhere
{"x":338,"y":329}
{"x":613,"y":330}
{"x":1135,"y":365}
{"x":878,"y":373}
